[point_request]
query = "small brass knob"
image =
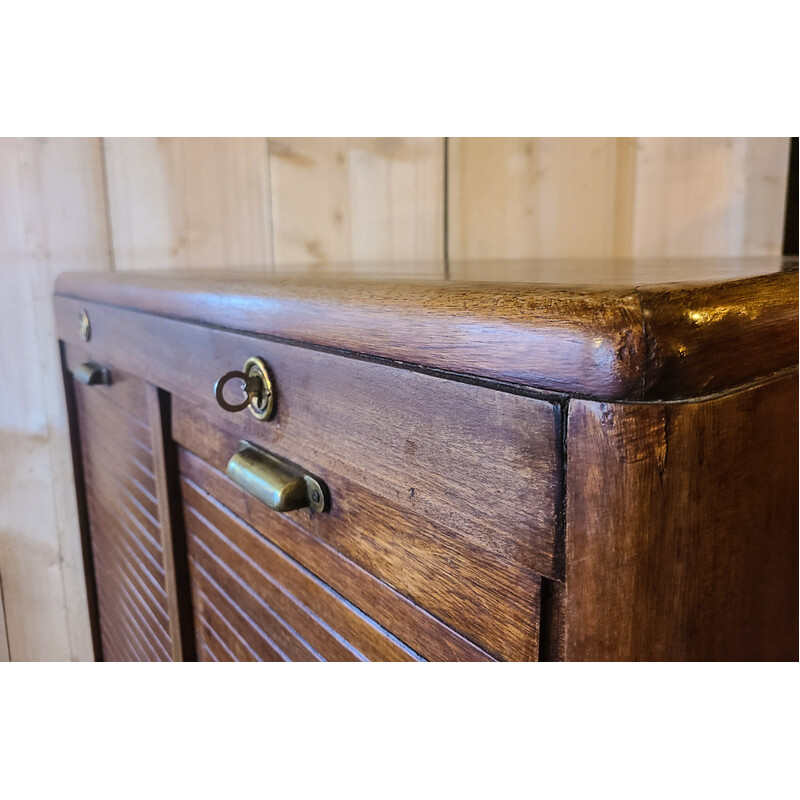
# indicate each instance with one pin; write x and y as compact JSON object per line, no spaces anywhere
{"x":84,"y":326}
{"x":259,"y":394}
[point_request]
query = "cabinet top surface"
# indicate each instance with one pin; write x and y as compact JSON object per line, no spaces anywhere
{"x":616,"y":329}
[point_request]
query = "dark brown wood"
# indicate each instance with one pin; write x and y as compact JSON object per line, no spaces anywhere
{"x":597,"y":463}
{"x":124,"y":524}
{"x":682,"y":528}
{"x":173,"y":536}
{"x":479,"y":462}
{"x":494,"y":604}
{"x":577,"y":326}
{"x":261,"y":604}
{"x":706,"y":339}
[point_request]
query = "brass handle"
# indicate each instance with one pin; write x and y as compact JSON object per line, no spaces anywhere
{"x":279,"y":484}
{"x":92,"y":374}
{"x":259,"y":394}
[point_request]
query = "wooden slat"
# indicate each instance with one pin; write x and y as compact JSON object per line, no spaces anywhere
{"x":681,"y":534}
{"x":217,"y":623}
{"x":267,"y":600}
{"x":127,"y":540}
{"x":492,"y":601}
{"x":117,"y":545}
{"x":414,"y":626}
{"x":189,"y":203}
{"x":286,"y":642}
{"x":357,"y":200}
{"x":121,"y":587}
{"x":153,"y":599}
{"x":171,"y":530}
{"x":264,"y":567}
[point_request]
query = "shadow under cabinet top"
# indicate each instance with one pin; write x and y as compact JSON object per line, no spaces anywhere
{"x":614,"y":329}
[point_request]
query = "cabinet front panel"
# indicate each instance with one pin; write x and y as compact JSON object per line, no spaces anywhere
{"x":124,"y":514}
{"x":481,"y":464}
{"x":492,"y":602}
{"x":253,"y":601}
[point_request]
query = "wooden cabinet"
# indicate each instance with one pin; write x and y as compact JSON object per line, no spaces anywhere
{"x":590,"y":467}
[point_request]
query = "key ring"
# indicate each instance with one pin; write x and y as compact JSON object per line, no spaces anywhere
{"x":249,"y":387}
{"x":260,"y":397}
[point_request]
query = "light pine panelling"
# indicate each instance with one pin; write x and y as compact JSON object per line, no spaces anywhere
{"x":521,"y":198}
{"x":189,"y":203}
{"x":52,"y":218}
{"x":709,"y":197}
{"x":361,"y":200}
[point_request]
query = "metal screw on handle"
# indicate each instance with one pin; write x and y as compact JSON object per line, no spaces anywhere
{"x":258,"y":389}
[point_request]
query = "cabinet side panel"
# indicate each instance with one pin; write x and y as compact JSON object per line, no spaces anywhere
{"x":682,"y":528}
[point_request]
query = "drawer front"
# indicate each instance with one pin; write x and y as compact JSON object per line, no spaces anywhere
{"x":253,"y":601}
{"x":446,"y":491}
{"x":124,"y":520}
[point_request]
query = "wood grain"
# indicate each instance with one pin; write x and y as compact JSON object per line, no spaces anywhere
{"x":251,"y":594}
{"x":523,"y":198}
{"x":467,"y":458}
{"x":416,"y":627}
{"x":126,"y":521}
{"x":52,"y":217}
{"x":682,"y":528}
{"x":493,"y":602}
{"x":709,"y":196}
{"x":173,"y":536}
{"x":505,"y":332}
{"x":581,"y":337}
{"x":357,"y":200}
{"x":189,"y":202}
{"x":530,"y":197}
{"x":701,"y":340}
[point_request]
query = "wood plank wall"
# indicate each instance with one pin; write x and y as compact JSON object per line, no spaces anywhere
{"x":268,"y":204}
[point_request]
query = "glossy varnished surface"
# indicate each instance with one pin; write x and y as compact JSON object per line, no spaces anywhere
{"x":682,"y":528}
{"x":490,"y":599}
{"x":622,"y":329}
{"x":470,"y":519}
{"x":264,"y":590}
{"x":482,"y":462}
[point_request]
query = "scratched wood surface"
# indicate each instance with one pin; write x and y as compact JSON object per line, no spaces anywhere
{"x":682,"y":528}
{"x":173,"y":203}
{"x":445,"y":440}
{"x":617,"y":341}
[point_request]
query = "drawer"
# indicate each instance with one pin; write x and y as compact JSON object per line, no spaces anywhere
{"x":446,"y":491}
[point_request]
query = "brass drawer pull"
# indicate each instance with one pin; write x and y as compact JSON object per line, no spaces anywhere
{"x":277,"y":483}
{"x":92,"y":374}
{"x":258,"y":389}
